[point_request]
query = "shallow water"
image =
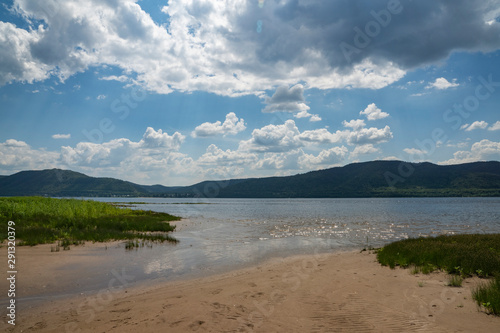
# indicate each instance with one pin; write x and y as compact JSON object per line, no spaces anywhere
{"x":223,"y":234}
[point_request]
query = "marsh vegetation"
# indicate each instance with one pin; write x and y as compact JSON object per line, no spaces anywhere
{"x":42,"y":220}
{"x":461,"y":256}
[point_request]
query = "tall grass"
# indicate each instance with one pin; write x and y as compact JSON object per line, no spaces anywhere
{"x":465,"y":255}
{"x":459,"y":255}
{"x":488,"y":296}
{"x":46,"y":220}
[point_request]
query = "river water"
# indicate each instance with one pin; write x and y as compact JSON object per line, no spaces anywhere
{"x":219,"y":235}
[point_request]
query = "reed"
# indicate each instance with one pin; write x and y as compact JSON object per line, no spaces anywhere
{"x":42,"y":220}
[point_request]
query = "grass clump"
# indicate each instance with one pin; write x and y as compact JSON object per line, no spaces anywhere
{"x":455,"y":281}
{"x":459,"y":255}
{"x":464,"y":255}
{"x":488,"y":296}
{"x":70,"y":221}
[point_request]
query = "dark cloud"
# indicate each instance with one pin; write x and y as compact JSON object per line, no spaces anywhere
{"x":240,"y":48}
{"x":407,"y":33}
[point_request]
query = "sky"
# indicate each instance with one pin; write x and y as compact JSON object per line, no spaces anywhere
{"x":176,"y":92}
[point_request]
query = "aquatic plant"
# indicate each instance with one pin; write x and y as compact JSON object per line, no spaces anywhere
{"x":42,"y":220}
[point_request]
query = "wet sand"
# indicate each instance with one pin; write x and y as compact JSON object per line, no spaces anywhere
{"x":339,"y":292}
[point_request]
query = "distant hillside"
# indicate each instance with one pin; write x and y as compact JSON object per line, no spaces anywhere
{"x":377,"y":179}
{"x":65,"y":183}
{"x":369,"y":179}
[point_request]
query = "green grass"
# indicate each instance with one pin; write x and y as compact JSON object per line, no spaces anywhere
{"x":455,"y":281}
{"x":459,"y":255}
{"x":465,"y":255}
{"x":488,"y":296}
{"x":41,"y":220}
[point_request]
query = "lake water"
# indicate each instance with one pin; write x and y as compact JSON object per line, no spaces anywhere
{"x":227,"y":233}
{"x":223,"y":234}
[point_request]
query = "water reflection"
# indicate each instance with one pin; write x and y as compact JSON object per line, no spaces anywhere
{"x":232,"y":233}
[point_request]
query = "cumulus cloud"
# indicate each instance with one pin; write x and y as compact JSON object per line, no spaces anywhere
{"x":232,"y":125}
{"x":442,"y":84}
{"x":355,"y":124}
{"x":215,"y":46}
{"x":326,"y":158}
{"x":305,"y":114}
{"x":273,"y":138}
{"x":364,"y":150}
{"x":474,"y":126}
{"x":372,"y":112}
{"x":61,"y":136}
{"x":286,"y":137}
{"x":415,"y":151}
{"x":290,"y":100}
{"x":484,"y":150}
{"x":215,"y":156}
{"x":495,"y":127}
{"x":158,"y":139}
{"x":322,"y":136}
{"x":370,"y":135}
{"x":18,"y":156}
{"x":153,"y":159}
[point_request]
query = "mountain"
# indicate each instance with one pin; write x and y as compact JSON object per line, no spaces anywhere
{"x":377,"y":179}
{"x":368,"y":179}
{"x":65,"y":183}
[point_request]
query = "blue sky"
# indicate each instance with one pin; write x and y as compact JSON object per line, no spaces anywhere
{"x":176,"y":92}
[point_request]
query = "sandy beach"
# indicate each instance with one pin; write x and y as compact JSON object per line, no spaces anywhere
{"x":338,"y":292}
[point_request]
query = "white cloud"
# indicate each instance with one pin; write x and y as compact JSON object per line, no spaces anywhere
{"x":158,"y":139}
{"x":415,"y":151}
{"x":326,"y":158}
{"x":484,"y":150}
{"x":101,"y":97}
{"x":441,"y":84}
{"x":154,"y":146}
{"x":355,"y":124}
{"x":273,"y":138}
{"x":121,"y":78}
{"x":372,"y":112}
{"x":364,"y":150}
{"x":305,"y":114}
{"x":288,"y":160}
{"x":232,"y":125}
{"x":61,"y":136}
{"x":286,"y":137}
{"x":315,"y":118}
{"x":287,"y":99}
{"x":370,"y":135}
{"x":474,"y":126}
{"x":18,"y":156}
{"x":214,"y":46}
{"x":321,"y":136}
{"x":205,"y":46}
{"x":215,"y":156}
{"x":495,"y":127}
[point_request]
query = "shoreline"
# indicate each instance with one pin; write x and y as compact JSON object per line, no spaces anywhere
{"x":345,"y":291}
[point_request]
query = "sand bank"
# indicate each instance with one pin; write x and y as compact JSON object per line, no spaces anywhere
{"x":340,"y":292}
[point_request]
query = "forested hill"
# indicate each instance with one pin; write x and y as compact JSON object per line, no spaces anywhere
{"x":369,"y":179}
{"x":377,"y":179}
{"x":65,"y":183}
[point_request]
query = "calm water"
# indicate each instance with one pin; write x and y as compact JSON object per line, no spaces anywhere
{"x":223,"y":234}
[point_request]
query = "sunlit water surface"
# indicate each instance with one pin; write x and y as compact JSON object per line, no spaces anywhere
{"x":222,"y":234}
